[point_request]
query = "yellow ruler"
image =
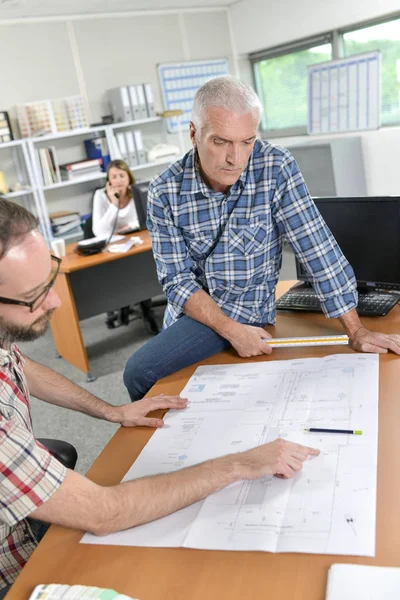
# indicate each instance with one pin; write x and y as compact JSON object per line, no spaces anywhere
{"x":318,"y":340}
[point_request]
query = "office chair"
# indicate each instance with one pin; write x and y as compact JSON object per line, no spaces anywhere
{"x":114,"y":317}
{"x":64,"y":452}
{"x":124,"y":315}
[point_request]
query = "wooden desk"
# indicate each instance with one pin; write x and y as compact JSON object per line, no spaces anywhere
{"x":91,"y":285}
{"x":182,"y":574}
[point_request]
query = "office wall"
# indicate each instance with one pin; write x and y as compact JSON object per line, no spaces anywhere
{"x":53,"y":58}
{"x":36,"y":63}
{"x":50,"y":58}
{"x":256,"y":26}
{"x":208,"y":36}
{"x":118,"y":51}
{"x":259,"y":24}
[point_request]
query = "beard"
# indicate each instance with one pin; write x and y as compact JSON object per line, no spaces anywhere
{"x":12,"y":332}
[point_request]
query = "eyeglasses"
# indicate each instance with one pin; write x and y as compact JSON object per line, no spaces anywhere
{"x":34,"y":304}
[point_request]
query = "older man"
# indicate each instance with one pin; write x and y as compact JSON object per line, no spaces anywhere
{"x":218,"y":219}
{"x":34,"y":486}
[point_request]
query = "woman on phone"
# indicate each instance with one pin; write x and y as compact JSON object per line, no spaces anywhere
{"x":117,"y":193}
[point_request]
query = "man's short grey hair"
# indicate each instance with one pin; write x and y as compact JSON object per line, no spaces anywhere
{"x":225,"y":92}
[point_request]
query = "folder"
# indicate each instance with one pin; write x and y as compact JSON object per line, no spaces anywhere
{"x":141,"y":101}
{"x":120,"y":104}
{"x":140,"y":153}
{"x":148,"y":94}
{"x":122,"y":146}
{"x":131,"y":149}
{"x":135,"y":110}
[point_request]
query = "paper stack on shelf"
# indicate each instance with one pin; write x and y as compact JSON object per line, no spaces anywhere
{"x":51,"y":116}
{"x":76,"y":112}
{"x":36,"y":118}
{"x":60,"y":115}
{"x":65,"y":222}
{"x":81,"y":169}
{"x":49,"y":165}
{"x":23,"y":121}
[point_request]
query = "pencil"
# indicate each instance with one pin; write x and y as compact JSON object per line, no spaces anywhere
{"x":323,"y":430}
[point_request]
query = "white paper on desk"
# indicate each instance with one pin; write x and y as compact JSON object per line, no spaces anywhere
{"x":327,"y":508}
{"x":350,"y":582}
{"x":133,"y":241}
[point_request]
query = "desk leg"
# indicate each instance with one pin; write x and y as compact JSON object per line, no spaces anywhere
{"x":66,"y":330}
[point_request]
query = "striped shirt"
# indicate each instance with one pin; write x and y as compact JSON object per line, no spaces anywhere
{"x":29,"y":475}
{"x":230,"y":245}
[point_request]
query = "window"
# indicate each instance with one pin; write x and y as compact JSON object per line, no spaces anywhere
{"x":386,"y":38}
{"x":281,"y":82}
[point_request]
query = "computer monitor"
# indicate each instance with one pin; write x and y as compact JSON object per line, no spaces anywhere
{"x":368,"y":233}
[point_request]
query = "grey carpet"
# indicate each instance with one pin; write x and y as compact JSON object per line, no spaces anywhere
{"x":108,"y":351}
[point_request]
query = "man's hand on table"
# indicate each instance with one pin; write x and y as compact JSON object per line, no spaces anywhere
{"x":365,"y":340}
{"x":281,"y":458}
{"x":134,"y":414}
{"x":248,"y":340}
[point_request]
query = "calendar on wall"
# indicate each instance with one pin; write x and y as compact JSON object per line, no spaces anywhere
{"x":345,"y":94}
{"x":179,"y":83}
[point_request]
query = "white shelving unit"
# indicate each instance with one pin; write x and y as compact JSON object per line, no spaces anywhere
{"x":17,"y":194}
{"x":66,"y":134}
{"x":12,"y":144}
{"x":18,"y":157}
{"x":127,"y":124}
{"x":61,"y":184}
{"x":151,"y":165}
{"x":37,"y":196}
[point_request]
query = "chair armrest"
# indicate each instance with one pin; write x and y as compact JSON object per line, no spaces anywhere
{"x":64,"y":452}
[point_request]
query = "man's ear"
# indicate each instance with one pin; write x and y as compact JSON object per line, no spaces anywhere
{"x":192,"y":133}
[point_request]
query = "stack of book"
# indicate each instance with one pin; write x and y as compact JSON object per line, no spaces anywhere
{"x":66,"y":223}
{"x":49,"y":165}
{"x":81,"y":169}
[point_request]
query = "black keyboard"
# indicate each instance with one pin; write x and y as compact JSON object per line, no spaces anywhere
{"x":374,"y":304}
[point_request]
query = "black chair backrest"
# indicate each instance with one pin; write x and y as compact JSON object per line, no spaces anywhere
{"x":140,"y":200}
{"x":87,"y":228}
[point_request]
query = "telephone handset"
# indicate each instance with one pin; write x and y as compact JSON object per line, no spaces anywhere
{"x":96,"y":245}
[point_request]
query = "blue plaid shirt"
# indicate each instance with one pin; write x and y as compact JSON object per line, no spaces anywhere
{"x":230,"y":245}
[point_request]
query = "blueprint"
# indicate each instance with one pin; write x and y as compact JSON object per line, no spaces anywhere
{"x":327,"y":508}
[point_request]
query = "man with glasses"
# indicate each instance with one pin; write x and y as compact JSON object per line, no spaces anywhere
{"x":34,"y":486}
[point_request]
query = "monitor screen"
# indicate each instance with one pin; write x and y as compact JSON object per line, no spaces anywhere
{"x":368,"y":233}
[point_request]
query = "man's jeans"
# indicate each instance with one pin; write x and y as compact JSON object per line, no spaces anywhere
{"x":38,"y":529}
{"x":182,"y":344}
